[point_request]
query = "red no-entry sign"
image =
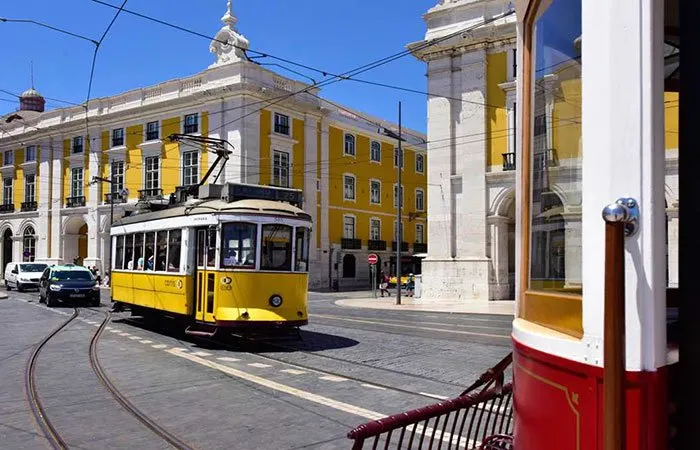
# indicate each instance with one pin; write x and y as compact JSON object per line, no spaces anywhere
{"x":372,"y":258}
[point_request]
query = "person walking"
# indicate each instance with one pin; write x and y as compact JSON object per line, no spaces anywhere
{"x":410,"y":285}
{"x":384,"y":284}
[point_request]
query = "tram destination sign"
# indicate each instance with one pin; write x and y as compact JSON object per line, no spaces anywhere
{"x":239,"y":191}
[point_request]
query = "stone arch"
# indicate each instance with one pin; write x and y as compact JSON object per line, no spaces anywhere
{"x":502,"y":201}
{"x":75,"y":239}
{"x":6,"y":235}
{"x":29,"y":237}
{"x":26,"y":223}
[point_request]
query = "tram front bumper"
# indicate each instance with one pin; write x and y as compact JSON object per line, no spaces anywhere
{"x":254,"y":317}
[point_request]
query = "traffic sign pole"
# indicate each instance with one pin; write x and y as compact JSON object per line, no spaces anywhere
{"x":372,"y":260}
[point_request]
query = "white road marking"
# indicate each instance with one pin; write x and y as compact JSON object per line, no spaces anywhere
{"x":309,"y":396}
{"x":124,"y":334}
{"x":439,"y":397}
{"x":91,"y":322}
{"x":293,"y":371}
{"x":260,"y":365}
{"x":372,"y":386}
{"x":178,"y":349}
{"x":377,"y":322}
{"x":114,"y":330}
{"x":109,"y":328}
{"x":133,"y":338}
{"x":146,"y":341}
{"x":158,"y":346}
{"x":201,"y":354}
{"x":228,"y":359}
{"x":332,"y":378}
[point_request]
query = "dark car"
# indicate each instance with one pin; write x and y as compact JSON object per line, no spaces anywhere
{"x":69,"y":282}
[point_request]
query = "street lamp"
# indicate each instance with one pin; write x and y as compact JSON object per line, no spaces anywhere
{"x":111,"y":182}
{"x":399,"y":198}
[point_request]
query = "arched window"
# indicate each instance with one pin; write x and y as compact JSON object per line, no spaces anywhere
{"x":349,"y":266}
{"x":29,"y":245}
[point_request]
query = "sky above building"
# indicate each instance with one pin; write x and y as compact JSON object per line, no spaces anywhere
{"x":327,"y":35}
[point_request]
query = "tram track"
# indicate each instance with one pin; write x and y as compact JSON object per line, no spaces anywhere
{"x":54,"y":437}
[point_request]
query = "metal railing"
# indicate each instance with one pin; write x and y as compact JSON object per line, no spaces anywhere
{"x":73,"y":202}
{"x":149,"y":194}
{"x":419,"y":247}
{"x":508,"y":161}
{"x":351,"y":244}
{"x":404,"y":246}
{"x":7,"y":208}
{"x":376,"y":245}
{"x":29,"y":206}
{"x":474,"y":420}
{"x":115,"y":198}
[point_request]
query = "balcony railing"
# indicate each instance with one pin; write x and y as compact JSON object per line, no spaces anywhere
{"x":376,"y":245}
{"x":404,"y":246}
{"x":7,"y":208}
{"x":74,"y":202}
{"x":508,"y":161}
{"x":115,"y":198}
{"x":29,"y":206}
{"x":351,"y":244}
{"x":150,"y":194}
{"x":420,"y":247}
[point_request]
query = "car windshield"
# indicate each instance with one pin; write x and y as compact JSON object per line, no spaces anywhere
{"x":32,"y":267}
{"x":71,"y":275}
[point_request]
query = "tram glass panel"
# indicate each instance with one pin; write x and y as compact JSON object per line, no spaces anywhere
{"x":238,"y":247}
{"x":302,"y":250}
{"x":128,"y":252}
{"x":161,"y":250}
{"x":174,"y":245}
{"x":555,"y":150}
{"x":119,"y":254}
{"x":149,"y":257}
{"x":276,"y":247}
{"x":138,"y":261}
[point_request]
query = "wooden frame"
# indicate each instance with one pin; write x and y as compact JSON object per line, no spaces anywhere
{"x":558,"y":311}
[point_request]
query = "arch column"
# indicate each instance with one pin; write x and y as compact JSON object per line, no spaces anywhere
{"x":572,"y":245}
{"x":672,"y":249}
{"x":499,"y":280}
{"x":94,"y":243}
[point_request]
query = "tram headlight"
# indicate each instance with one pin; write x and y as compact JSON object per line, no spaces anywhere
{"x":55,"y":287}
{"x":276,"y":301}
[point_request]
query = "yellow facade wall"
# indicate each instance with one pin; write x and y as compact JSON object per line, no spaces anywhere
{"x":298,"y":165}
{"x":671,"y":120}
{"x":133,"y":170}
{"x":566,"y":115}
{"x":170,"y":157}
{"x":66,"y":171}
{"x":496,"y":113}
{"x":265,"y":165}
{"x":18,"y":180}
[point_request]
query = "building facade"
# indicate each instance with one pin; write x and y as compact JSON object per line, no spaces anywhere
{"x":281,"y":132}
{"x":472,"y":148}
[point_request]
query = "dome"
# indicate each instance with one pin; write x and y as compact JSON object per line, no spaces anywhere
{"x":31,"y":100}
{"x":31,"y":92}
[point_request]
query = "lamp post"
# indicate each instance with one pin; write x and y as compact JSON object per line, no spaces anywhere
{"x":109,"y":180}
{"x":399,"y":198}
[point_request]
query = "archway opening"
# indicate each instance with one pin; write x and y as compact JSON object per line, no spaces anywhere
{"x":548,"y":245}
{"x":75,"y":241}
{"x":29,"y":244}
{"x":349,"y":266}
{"x":6,"y":249}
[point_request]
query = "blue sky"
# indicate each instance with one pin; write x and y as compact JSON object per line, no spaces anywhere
{"x":329,"y":35}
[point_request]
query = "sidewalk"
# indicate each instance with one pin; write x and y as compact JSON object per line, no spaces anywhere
{"x":506,"y":308}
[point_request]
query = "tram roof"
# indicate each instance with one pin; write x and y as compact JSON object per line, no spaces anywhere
{"x":255,"y":207}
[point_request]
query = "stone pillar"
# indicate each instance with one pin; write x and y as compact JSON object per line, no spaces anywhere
{"x":43,"y":190}
{"x":328,"y":255}
{"x":499,"y":283}
{"x":572,"y":249}
{"x":57,"y":202}
{"x":672,"y":247}
{"x":310,"y":192}
{"x":94,"y":243}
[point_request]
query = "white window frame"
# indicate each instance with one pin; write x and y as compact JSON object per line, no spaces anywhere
{"x":421,"y":234}
{"x":27,"y":151}
{"x":372,"y":220}
{"x":112,"y":173}
{"x":373,"y":180}
{"x":5,"y":162}
{"x":27,"y":190}
{"x":371,"y":155}
{"x":111,"y":138}
{"x":76,"y":186}
{"x":402,"y":192}
{"x":403,"y":234}
{"x":403,"y":157}
{"x":146,"y":172}
{"x":196,"y":159}
{"x":511,"y":60}
{"x":354,"y":145}
{"x":422,"y":195}
{"x":347,"y":176}
{"x":354,"y":226}
{"x":8,"y":189}
{"x":184,"y":123}
{"x":145,"y":131}
{"x":288,"y":168}
{"x":420,"y":157}
{"x":72,"y":145}
{"x":275,"y":115}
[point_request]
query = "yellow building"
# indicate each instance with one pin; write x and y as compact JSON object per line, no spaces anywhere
{"x":472,"y":137}
{"x":280,"y":134}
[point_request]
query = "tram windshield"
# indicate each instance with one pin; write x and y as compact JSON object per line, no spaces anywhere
{"x":276,"y":247}
{"x":238,"y":245}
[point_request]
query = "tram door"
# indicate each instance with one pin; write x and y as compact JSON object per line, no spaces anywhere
{"x":205,"y":276}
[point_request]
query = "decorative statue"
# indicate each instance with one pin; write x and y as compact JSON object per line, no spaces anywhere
{"x":228,"y":45}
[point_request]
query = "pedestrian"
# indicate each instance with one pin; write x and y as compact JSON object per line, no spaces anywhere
{"x":97,"y":275}
{"x":410,"y":283}
{"x":384,"y":284}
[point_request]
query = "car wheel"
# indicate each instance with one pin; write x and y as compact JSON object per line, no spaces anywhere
{"x":95,"y":302}
{"x":51,"y":301}
{"x":7,"y":285}
{"x":19,"y":287}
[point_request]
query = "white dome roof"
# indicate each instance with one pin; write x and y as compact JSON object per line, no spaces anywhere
{"x":31,"y":92}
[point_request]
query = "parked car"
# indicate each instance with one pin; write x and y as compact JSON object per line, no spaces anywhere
{"x":23,"y":275}
{"x":68,"y":282}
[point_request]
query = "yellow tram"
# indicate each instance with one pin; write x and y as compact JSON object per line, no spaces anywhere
{"x":236,"y":258}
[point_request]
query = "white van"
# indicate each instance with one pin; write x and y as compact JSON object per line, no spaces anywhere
{"x":23,"y":275}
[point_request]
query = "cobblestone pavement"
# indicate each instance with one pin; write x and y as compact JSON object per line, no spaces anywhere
{"x":353,"y":365}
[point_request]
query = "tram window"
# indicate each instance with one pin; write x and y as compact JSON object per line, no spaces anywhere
{"x":138,"y":251}
{"x":161,"y":250}
{"x":174,"y":243}
{"x":119,"y":254}
{"x":129,"y":251}
{"x":149,"y":257}
{"x":276,"y":247}
{"x":302,"y":250}
{"x":211,"y":247}
{"x":238,"y":245}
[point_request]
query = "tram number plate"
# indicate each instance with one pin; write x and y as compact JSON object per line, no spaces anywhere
{"x":77,"y":295}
